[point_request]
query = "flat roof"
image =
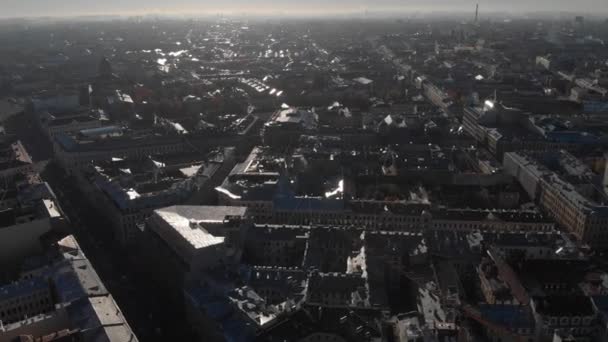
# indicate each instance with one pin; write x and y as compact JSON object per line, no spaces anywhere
{"x":189,"y":222}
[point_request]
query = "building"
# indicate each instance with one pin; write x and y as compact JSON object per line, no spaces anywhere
{"x":286,"y":126}
{"x":55,"y":101}
{"x":59,"y":294}
{"x":491,"y":220}
{"x":224,"y":311}
{"x":309,"y":324}
{"x":496,"y":290}
{"x":27,"y":214}
{"x":14,"y":160}
{"x":128,"y":190}
{"x":268,"y":246}
{"x":55,"y":123}
{"x":264,"y":183}
{"x":277,"y":285}
{"x":194,"y":254}
{"x":73,"y":151}
{"x":503,"y":129}
{"x":571,"y":205}
{"x":382,"y":215}
{"x":25,"y":298}
{"x":573,"y":313}
{"x":388,"y":257}
{"x":507,"y":322}
{"x":338,"y":290}
{"x":184,"y":242}
{"x":9,"y":107}
{"x":253,"y":183}
{"x":435,"y":95}
{"x":527,"y":172}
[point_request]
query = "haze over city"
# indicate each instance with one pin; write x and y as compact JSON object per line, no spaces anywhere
{"x":303,"y":171}
{"x":33,"y":8}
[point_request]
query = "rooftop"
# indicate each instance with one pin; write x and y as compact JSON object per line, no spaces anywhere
{"x":571,"y":305}
{"x":28,"y":203}
{"x":152,"y":181}
{"x":79,"y":291}
{"x":192,"y":223}
{"x":305,"y":119}
{"x":351,"y":289}
{"x":112,"y":139}
{"x":560,"y":184}
{"x":13,"y":155}
{"x":526,"y":216}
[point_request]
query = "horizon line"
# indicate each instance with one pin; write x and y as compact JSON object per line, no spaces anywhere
{"x":278,"y":14}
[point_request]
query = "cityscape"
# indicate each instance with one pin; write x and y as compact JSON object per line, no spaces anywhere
{"x":365,"y":177}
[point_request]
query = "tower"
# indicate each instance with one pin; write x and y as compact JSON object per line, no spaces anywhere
{"x":476,"y":13}
{"x":605,"y":180}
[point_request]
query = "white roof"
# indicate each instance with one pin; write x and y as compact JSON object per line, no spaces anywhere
{"x":190,"y":170}
{"x":51,"y":207}
{"x":197,"y":237}
{"x":189,"y":222}
{"x":363,"y":80}
{"x":297,"y":116}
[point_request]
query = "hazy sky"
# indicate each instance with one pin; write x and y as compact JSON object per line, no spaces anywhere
{"x":12,"y":8}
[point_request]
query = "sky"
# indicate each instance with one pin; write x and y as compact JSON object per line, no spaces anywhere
{"x":33,"y":8}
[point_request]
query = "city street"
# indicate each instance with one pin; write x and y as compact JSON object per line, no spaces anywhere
{"x":141,"y":304}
